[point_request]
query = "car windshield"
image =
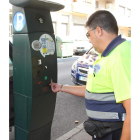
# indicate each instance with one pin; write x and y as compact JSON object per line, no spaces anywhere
{"x":92,"y":51}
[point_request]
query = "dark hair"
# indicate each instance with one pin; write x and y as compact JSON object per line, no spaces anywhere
{"x":103,"y":19}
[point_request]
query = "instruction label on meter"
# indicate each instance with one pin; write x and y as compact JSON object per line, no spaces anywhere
{"x":48,"y":46}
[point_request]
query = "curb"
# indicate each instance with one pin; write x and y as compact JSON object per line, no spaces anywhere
{"x":71,"y":132}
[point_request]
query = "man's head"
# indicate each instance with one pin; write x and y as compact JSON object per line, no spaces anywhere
{"x":102,"y":27}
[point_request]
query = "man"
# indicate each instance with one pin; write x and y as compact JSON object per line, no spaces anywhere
{"x":107,"y":92}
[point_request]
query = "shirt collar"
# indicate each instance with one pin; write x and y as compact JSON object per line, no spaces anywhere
{"x":113,"y":44}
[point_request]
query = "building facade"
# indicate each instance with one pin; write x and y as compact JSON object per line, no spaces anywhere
{"x":71,"y":20}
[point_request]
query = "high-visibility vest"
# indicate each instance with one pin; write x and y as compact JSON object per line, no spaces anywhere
{"x":100,"y":99}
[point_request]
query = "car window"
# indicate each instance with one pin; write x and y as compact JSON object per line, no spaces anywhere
{"x":92,"y":51}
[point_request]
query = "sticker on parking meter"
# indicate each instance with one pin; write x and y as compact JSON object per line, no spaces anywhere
{"x":19,"y":21}
{"x":48,"y":45}
{"x":36,"y":45}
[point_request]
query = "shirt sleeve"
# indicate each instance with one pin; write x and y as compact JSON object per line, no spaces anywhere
{"x":120,"y":74}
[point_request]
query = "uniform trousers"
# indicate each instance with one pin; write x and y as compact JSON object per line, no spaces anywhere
{"x":115,"y":135}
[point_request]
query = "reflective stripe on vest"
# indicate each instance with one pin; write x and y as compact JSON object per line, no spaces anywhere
{"x":100,"y":97}
{"x":102,"y":115}
{"x":103,"y":107}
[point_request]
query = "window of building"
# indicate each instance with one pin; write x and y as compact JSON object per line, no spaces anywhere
{"x":128,"y":13}
{"x":79,"y":32}
{"x":96,"y":4}
{"x":64,"y":19}
{"x":64,"y":29}
{"x":121,"y":31}
{"x":121,"y":11}
{"x":108,"y":6}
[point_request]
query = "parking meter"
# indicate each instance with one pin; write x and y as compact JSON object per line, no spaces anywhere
{"x":34,"y":66}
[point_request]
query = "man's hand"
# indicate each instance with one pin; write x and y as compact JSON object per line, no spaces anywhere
{"x":75,"y":90}
{"x":55,"y":87}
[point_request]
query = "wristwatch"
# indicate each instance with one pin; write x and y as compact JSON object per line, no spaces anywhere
{"x":61,"y":87}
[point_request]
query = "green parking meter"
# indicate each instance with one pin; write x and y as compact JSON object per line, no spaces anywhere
{"x":34,"y":66}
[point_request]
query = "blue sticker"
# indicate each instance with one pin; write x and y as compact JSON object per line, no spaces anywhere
{"x":97,"y":68}
{"x":19,"y":21}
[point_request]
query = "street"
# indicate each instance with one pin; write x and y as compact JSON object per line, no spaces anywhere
{"x":69,"y":108}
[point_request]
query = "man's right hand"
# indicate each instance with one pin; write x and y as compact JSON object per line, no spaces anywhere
{"x":74,"y":90}
{"x":55,"y":87}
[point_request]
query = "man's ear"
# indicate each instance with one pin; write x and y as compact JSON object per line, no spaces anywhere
{"x":99,"y":31}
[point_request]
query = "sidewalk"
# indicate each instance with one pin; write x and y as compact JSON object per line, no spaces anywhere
{"x":78,"y":133}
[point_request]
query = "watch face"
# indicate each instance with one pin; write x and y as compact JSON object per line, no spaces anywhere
{"x":19,"y":21}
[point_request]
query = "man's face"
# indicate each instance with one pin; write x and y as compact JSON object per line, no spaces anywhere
{"x":92,"y":38}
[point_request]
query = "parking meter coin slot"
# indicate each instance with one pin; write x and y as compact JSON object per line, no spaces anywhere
{"x":37,"y":67}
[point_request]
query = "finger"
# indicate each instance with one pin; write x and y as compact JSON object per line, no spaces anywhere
{"x":50,"y":83}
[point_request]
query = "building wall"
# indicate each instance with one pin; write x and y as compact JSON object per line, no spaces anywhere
{"x":123,"y":16}
{"x":121,"y":9}
{"x":76,"y":13}
{"x":72,"y":18}
{"x":101,"y":4}
{"x":106,"y":4}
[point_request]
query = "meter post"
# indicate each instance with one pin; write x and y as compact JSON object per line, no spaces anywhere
{"x":34,"y":65}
